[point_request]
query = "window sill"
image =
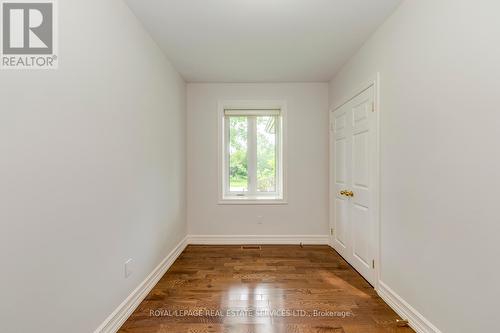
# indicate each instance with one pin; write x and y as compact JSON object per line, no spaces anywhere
{"x":253,"y":201}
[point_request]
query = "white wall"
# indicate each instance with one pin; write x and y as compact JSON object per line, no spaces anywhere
{"x":307,"y":165}
{"x":440,"y":82}
{"x":92,"y":172}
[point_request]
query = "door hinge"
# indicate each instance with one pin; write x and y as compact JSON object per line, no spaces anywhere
{"x":331,"y":231}
{"x":373,"y":263}
{"x":373,"y":107}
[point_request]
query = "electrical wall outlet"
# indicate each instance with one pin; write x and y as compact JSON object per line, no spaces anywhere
{"x":128,"y":268}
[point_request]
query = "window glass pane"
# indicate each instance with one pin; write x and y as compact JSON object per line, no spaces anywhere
{"x":238,"y":147}
{"x":266,"y":154}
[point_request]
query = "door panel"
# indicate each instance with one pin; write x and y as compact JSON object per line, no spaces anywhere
{"x":341,"y":222}
{"x":354,"y":142}
{"x":360,"y":150}
{"x":361,"y":235}
{"x":340,"y":161}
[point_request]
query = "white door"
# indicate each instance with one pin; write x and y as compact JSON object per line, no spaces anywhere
{"x":354,"y":172}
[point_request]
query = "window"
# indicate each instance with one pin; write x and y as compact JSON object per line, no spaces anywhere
{"x":252,"y":154}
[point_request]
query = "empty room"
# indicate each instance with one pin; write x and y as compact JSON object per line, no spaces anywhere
{"x":249,"y":166}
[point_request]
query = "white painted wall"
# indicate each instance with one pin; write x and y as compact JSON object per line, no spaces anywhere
{"x":440,"y":80}
{"x":307,"y":165}
{"x":92,"y":172}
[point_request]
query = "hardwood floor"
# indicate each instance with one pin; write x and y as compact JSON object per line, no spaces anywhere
{"x":288,"y":289}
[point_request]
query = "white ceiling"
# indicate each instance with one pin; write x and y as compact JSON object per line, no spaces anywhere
{"x":260,"y":40}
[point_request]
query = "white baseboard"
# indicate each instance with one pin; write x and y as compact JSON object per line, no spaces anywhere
{"x":113,"y":323}
{"x":416,"y":320}
{"x":258,"y":239}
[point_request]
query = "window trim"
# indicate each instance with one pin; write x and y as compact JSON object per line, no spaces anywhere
{"x":263,"y":199}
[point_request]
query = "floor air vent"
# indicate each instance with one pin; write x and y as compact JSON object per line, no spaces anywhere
{"x":251,"y":247}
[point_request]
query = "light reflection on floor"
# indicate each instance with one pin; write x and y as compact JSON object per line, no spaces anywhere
{"x":246,"y":305}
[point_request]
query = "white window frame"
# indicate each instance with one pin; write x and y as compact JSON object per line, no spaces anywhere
{"x":252,"y":196}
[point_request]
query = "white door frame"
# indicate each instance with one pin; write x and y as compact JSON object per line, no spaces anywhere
{"x":374,"y":82}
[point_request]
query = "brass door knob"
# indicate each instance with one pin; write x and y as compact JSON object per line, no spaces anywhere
{"x":347,"y":193}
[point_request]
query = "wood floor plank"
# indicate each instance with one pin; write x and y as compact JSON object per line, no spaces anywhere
{"x":277,"y":288}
